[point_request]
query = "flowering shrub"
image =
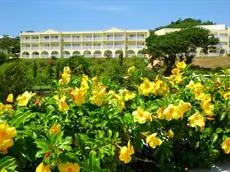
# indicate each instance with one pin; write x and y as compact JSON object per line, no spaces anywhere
{"x":90,"y":124}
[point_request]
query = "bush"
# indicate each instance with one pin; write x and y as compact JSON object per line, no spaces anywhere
{"x":3,"y":58}
{"x":93,"y":124}
{"x":14,"y":79}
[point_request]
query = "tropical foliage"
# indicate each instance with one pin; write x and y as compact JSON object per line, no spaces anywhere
{"x":91,"y":124}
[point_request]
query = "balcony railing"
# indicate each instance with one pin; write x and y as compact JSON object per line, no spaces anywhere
{"x":54,"y":40}
{"x":108,"y":38}
{"x":67,"y":39}
{"x":25,"y":48}
{"x":97,"y":38}
{"x":76,"y":39}
{"x":87,"y":39}
{"x":140,"y":38}
{"x":119,"y":38}
{"x":119,"y":46}
{"x":34,"y":48}
{"x":108,"y":46}
{"x":25,"y":40}
{"x":86,"y":47}
{"x":76,"y":47}
{"x":132,"y":38}
{"x":44,"y":40}
{"x":34,"y":40}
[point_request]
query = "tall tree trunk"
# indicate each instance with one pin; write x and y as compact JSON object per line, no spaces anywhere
{"x":169,"y":62}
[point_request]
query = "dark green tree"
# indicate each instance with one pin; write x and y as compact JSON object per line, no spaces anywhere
{"x":182,"y":43}
{"x":121,"y":57}
{"x":35,"y":69}
{"x":11,"y":45}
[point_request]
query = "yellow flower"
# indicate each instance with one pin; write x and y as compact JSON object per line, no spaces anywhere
{"x":10,"y":98}
{"x":180,"y":65}
{"x":141,"y":116}
{"x":170,"y":134}
{"x":84,"y":83}
{"x":55,"y":129}
{"x":169,"y":112}
{"x":43,"y":168}
{"x":226,"y":95}
{"x":197,"y":120}
{"x":226,"y":145}
{"x":207,"y":108}
{"x":69,"y":167}
{"x":5,"y":108}
{"x":24,"y":98}
{"x":98,"y":95}
{"x":175,"y":71}
{"x":78,"y":95}
{"x":65,"y":77}
{"x":160,"y":114}
{"x":62,"y":105}
{"x":6,"y":136}
{"x":146,"y":88}
{"x":153,"y":141}
{"x":182,"y":108}
{"x":126,"y":152}
{"x":160,"y":88}
{"x":131,"y":70}
{"x":128,"y":95}
{"x":202,"y":96}
{"x":196,"y":87}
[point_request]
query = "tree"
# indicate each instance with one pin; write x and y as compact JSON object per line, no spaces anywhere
{"x":121,"y":57}
{"x":12,"y":45}
{"x":187,"y":22}
{"x":182,"y":43}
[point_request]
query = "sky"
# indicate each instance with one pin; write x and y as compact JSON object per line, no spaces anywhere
{"x":80,"y":15}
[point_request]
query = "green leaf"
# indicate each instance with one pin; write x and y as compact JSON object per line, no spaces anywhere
{"x":214,"y":138}
{"x":9,"y":163}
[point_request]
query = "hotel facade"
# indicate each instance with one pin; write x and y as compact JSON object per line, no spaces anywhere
{"x":108,"y":43}
{"x":97,"y":44}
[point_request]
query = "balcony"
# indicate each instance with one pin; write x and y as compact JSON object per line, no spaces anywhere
{"x":86,"y":47}
{"x":97,"y":38}
{"x":34,"y":40}
{"x":119,"y":46}
{"x":119,"y":38}
{"x":54,"y":48}
{"x":108,"y":46}
{"x":108,"y":38}
{"x":25,"y":40}
{"x":140,"y":38}
{"x":67,"y":47}
{"x":140,"y":46}
{"x":44,"y":40}
{"x":67,"y":39}
{"x":25,"y":48}
{"x":87,"y":39}
{"x":132,"y":46}
{"x":132,"y":38}
{"x":97,"y":47}
{"x":76,"y":39}
{"x":76,"y":47}
{"x":54,"y":40}
{"x":34,"y":48}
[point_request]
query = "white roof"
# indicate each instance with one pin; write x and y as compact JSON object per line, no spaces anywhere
{"x":213,"y":27}
{"x":51,"y":31}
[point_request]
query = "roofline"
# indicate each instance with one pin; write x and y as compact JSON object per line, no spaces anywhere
{"x":82,"y":32}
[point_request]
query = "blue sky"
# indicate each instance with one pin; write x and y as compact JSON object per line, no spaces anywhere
{"x":77,"y":15}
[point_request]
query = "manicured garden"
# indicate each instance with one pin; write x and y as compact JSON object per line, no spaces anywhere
{"x":113,"y":118}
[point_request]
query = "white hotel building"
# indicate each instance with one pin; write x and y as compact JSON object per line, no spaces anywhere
{"x":108,"y":43}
